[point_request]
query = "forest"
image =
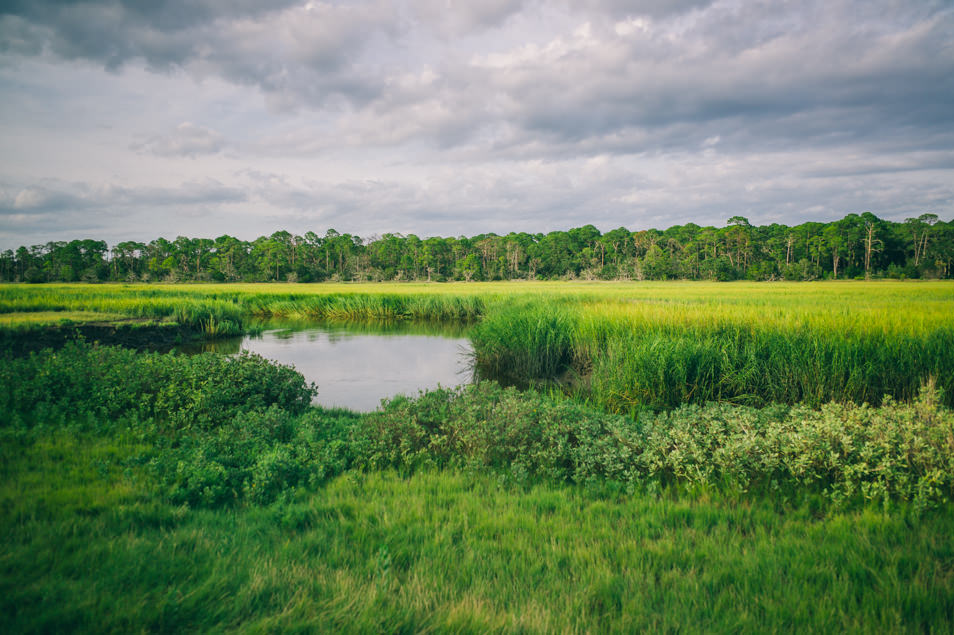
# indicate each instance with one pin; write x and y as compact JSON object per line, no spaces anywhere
{"x":857,"y":246}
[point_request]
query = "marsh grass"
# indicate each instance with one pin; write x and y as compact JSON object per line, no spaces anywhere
{"x":622,"y":346}
{"x":33,"y":319}
{"x":144,"y":492}
{"x":523,"y":343}
{"x":447,"y":551}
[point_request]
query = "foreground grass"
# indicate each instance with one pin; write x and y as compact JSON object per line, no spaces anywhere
{"x":171,"y":493}
{"x":87,"y":547}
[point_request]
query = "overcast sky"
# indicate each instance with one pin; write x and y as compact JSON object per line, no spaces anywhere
{"x":133,"y":119}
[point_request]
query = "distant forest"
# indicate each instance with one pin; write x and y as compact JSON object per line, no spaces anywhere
{"x":857,"y":246}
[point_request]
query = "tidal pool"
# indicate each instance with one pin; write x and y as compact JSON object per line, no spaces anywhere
{"x":358,"y":365}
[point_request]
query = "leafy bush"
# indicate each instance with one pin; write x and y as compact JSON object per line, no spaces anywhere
{"x":256,"y":456}
{"x":845,"y":453}
{"x":109,"y":385}
{"x":218,"y":430}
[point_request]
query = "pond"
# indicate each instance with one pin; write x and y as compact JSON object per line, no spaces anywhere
{"x":358,"y":365}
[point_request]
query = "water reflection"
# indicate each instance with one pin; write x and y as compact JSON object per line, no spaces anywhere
{"x":355,"y":366}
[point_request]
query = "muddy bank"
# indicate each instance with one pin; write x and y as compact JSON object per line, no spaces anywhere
{"x":145,"y":337}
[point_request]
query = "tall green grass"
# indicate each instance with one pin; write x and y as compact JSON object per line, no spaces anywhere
{"x":357,"y":307}
{"x":447,"y":552}
{"x":524,"y":343}
{"x":626,"y":355}
{"x":623,"y":346}
{"x":213,"y":315}
{"x":224,"y":310}
{"x":661,"y":368}
{"x":145,"y":492}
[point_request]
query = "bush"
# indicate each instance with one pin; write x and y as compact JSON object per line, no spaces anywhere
{"x":845,"y":453}
{"x":111,"y":385}
{"x":257,"y":456}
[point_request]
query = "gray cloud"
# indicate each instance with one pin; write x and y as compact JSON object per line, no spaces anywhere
{"x":462,"y":17}
{"x":55,"y":196}
{"x":295,"y":52}
{"x":376,"y":116}
{"x":754,"y":61}
{"x":187,"y":140}
{"x":58,"y":209}
{"x":620,"y":9}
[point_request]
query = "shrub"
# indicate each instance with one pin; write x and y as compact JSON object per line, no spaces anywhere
{"x":112,"y":384}
{"x":844,"y":452}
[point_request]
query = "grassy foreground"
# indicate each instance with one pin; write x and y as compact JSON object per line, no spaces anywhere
{"x":449,"y":552}
{"x":717,"y":458}
{"x":170,"y":493}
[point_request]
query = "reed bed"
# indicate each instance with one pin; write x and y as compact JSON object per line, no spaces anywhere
{"x":622,"y":346}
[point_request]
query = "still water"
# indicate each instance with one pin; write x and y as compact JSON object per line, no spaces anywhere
{"x":358,"y":365}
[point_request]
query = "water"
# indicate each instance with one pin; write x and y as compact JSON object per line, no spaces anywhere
{"x":356,"y":366}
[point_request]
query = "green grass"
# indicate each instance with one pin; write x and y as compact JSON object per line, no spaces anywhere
{"x":31,"y":319}
{"x":621,"y":346}
{"x":145,"y":492}
{"x":88,"y":549}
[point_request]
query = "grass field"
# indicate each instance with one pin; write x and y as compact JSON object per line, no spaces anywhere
{"x":27,"y":320}
{"x":694,"y":457}
{"x":448,"y":552}
{"x":621,"y":346}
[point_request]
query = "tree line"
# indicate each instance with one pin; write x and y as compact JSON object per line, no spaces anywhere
{"x":857,"y":246}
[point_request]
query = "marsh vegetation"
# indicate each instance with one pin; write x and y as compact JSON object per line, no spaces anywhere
{"x":645,"y":457}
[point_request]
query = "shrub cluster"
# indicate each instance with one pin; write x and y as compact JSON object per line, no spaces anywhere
{"x":220,"y":428}
{"x":108,"y":386}
{"x":843,"y":452}
{"x":257,"y":456}
{"x":224,"y":429}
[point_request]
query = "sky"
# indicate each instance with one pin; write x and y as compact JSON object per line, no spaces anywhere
{"x":134,"y":119}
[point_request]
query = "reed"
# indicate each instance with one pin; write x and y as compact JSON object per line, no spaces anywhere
{"x":524,"y":343}
{"x":624,"y":346}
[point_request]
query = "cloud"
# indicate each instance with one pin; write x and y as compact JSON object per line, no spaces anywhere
{"x":463,"y":17}
{"x":653,"y":8}
{"x":113,"y":211}
{"x":294,"y":52}
{"x":187,"y":140}
{"x":61,"y":196}
{"x":38,"y":198}
{"x":446,"y":116}
{"x":759,"y":75}
{"x":622,"y":65}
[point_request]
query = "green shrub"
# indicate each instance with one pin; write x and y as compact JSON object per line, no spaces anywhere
{"x":843,"y":452}
{"x":112,"y":385}
{"x":256,"y":456}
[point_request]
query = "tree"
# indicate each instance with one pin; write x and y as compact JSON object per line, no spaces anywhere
{"x":871,"y":243}
{"x":848,"y":247}
{"x":834,"y":243}
{"x":739,"y":241}
{"x":920,"y":228}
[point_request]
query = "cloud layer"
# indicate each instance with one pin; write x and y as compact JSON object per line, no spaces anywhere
{"x":460,"y":117}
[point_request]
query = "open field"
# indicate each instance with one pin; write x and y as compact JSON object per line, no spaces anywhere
{"x":690,"y":456}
